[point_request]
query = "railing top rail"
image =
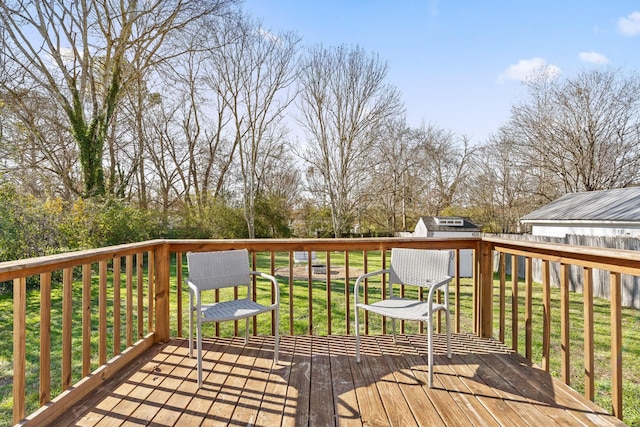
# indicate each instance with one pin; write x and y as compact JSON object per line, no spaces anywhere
{"x":618,"y":260}
{"x":615,"y":260}
{"x":284,"y":245}
{"x":32,"y":266}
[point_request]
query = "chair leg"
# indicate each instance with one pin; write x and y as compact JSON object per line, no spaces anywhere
{"x":357,"y":324}
{"x":448,"y":320}
{"x":393,"y":328}
{"x":277,"y":337}
{"x":190,"y":324}
{"x":199,"y":351}
{"x":430,"y":351}
{"x":246,"y":331}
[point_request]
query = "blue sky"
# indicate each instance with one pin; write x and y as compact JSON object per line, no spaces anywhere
{"x":459,"y":64}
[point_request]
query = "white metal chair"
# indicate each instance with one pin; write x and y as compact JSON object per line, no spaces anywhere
{"x":225,"y":269}
{"x":415,"y":267}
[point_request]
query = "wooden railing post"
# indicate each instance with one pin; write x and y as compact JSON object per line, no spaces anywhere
{"x":485,"y":297}
{"x":162,"y":293}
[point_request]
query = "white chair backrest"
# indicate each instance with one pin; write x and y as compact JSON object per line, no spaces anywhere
{"x":418,"y":267}
{"x":214,"y":270}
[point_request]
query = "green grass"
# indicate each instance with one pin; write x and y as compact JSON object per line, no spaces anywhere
{"x":631,"y":328}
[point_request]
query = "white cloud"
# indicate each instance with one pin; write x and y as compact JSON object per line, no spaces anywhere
{"x":527,"y":68}
{"x":630,"y":25}
{"x":594,"y":58}
{"x":269,"y":36}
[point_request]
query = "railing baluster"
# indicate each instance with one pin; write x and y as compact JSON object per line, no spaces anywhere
{"x":402,"y":294}
{"x":291,"y":299}
{"x":347,"y":292}
{"x":502,"y":292}
{"x":116,"y":306}
{"x":102,"y":313}
{"x":254,"y":257}
{"x":616,"y":344}
{"x":589,"y":374}
{"x":456,"y":302}
{"x":565,"y":354}
{"x":140,"y":292}
{"x":272,"y":271}
{"x":439,"y":313}
{"x":421,"y":298}
{"x":216,"y":296}
{"x":546,"y":315}
{"x":328,"y":281}
{"x":528,"y":310}
{"x":514,"y":302}
{"x":365,"y":267}
{"x":475,"y":292}
{"x":150,"y":290}
{"x":310,"y":291}
{"x":45,"y":338}
{"x":235,"y":296}
{"x":86,"y":319}
{"x":67,"y":319}
{"x":383,"y":286}
{"x":161,"y":292}
{"x":179,"y":293}
{"x":19,"y":347}
{"x":129,"y":307}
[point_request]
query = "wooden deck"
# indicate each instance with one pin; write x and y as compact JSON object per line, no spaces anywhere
{"x":319,"y":383}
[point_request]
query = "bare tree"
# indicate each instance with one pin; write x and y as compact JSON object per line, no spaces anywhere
{"x":395,"y":177}
{"x":343,"y":101}
{"x":445,"y":161}
{"x":86,"y":54}
{"x":254,"y":70}
{"x":581,"y":133}
{"x":500,"y":192}
{"x":191,"y":153}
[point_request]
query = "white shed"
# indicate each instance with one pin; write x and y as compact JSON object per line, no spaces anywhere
{"x":591,"y":213}
{"x":441,"y":226}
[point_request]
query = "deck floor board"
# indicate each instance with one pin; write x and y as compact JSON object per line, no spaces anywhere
{"x":318,"y":382}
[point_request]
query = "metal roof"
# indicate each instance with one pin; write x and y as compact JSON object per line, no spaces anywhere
{"x":622,"y":204}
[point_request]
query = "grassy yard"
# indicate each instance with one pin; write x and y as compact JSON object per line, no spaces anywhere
{"x":631,"y":328}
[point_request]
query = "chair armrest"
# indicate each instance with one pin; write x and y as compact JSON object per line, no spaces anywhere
{"x":192,"y":287}
{"x":443,"y":282}
{"x":194,"y":291}
{"x":356,"y":286}
{"x":274,"y":281}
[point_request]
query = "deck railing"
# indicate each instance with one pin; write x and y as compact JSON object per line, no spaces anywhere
{"x":114,"y":303}
{"x":615,"y":262}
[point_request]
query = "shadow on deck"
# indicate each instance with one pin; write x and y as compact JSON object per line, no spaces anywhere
{"x":319,"y":383}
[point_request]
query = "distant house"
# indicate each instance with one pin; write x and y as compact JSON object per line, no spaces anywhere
{"x":447,"y":226}
{"x":592,"y":213}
